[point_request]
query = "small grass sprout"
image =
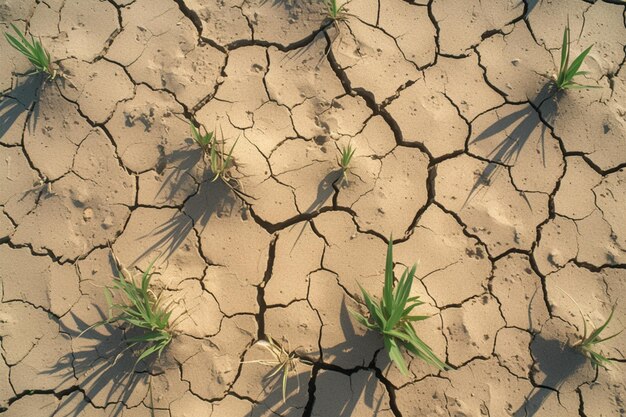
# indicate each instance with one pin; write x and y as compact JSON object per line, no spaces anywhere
{"x":141,"y":309}
{"x":220,"y":162}
{"x":587,"y":344}
{"x":565,"y":78}
{"x":33,"y":50}
{"x":283,"y":361}
{"x":392,"y":318}
{"x":334,"y":11}
{"x":214,"y":150}
{"x":345,"y":156}
{"x":203,"y":140}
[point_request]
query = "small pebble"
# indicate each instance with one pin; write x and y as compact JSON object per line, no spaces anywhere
{"x":87,"y":214}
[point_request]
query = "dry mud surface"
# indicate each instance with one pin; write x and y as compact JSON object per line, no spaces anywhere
{"x":508,"y":195}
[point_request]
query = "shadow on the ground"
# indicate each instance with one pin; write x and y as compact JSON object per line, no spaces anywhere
{"x":530,"y":4}
{"x":211,"y":199}
{"x":289,"y":4}
{"x":180,"y":164}
{"x":558,"y":362}
{"x":105,"y":367}
{"x":325,"y":190}
{"x":518,"y":128}
{"x":19,"y":101}
{"x":362,"y":390}
{"x":276,"y":3}
{"x":301,"y":52}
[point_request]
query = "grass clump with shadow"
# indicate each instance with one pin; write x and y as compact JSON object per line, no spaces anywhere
{"x":392,"y":318}
{"x":283,"y":361}
{"x":140,"y":308}
{"x":565,"y":78}
{"x":214,"y":152}
{"x":345,"y":156}
{"x":33,"y":50}
{"x":588,"y":343}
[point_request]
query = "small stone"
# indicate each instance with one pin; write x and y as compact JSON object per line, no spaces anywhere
{"x":107,"y":223}
{"x":87,"y":214}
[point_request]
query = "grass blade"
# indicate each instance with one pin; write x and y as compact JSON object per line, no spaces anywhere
{"x":567,"y":72}
{"x":388,"y":286}
{"x":395,"y":355}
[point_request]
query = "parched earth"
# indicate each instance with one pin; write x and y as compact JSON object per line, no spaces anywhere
{"x":511,"y":197}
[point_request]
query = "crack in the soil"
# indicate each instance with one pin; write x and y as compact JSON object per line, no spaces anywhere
{"x":261,"y":289}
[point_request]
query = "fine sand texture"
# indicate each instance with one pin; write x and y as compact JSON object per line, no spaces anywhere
{"x":509,"y":196}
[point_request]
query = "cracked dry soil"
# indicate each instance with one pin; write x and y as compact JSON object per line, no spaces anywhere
{"x":508,"y":195}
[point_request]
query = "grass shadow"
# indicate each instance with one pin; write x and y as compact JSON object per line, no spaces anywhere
{"x":210,"y":199}
{"x":352,"y":343}
{"x":278,"y":3}
{"x":214,"y":198}
{"x":325,"y":190}
{"x":558,"y":362}
{"x":170,"y":234}
{"x":518,"y":128}
{"x":105,"y":367}
{"x":288,"y":4}
{"x":180,"y":165}
{"x":20,"y":102}
{"x":363,"y":390}
{"x":301,"y":52}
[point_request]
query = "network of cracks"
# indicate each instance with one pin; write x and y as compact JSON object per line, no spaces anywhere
{"x":509,"y":195}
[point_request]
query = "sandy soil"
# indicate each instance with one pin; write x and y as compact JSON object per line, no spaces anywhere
{"x":508,"y":195}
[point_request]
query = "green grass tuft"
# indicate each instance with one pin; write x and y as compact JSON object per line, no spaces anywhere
{"x":334,"y":11}
{"x":140,"y":309}
{"x":567,"y":72}
{"x":220,"y":162}
{"x":33,"y":50}
{"x":392,"y":318}
{"x":588,"y":344}
{"x":203,"y":140}
{"x":345,"y":156}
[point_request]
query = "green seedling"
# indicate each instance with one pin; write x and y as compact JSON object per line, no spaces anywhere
{"x":283,"y":361}
{"x":587,"y":345}
{"x":335,"y":12}
{"x":345,"y":156}
{"x":203,"y":140}
{"x":392,"y":318}
{"x":141,"y":309}
{"x":33,"y":50}
{"x":565,"y":77}
{"x":220,"y":162}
